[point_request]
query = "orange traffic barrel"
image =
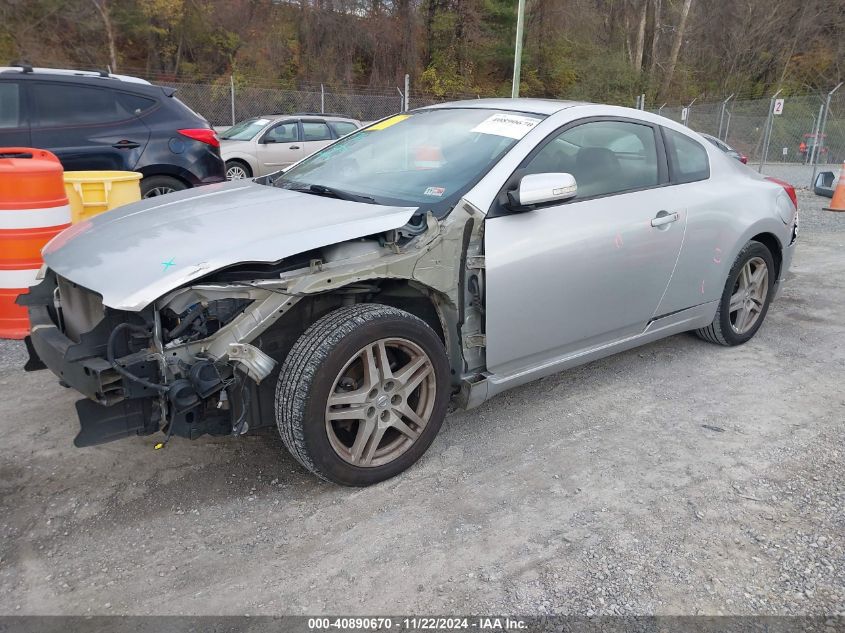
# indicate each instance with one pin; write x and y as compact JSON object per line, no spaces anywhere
{"x":838,"y":201}
{"x":33,"y":209}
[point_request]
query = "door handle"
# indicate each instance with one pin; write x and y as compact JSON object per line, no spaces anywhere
{"x":666,"y":218}
{"x":126,"y":145}
{"x":294,"y":147}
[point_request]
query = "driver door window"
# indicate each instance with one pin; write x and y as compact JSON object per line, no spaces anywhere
{"x":606,"y":157}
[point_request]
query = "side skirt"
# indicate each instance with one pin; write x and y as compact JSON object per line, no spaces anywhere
{"x":683,"y":321}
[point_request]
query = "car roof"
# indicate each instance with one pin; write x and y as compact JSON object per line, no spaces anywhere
{"x":532,"y":106}
{"x":65,"y":73}
{"x":299,"y":115}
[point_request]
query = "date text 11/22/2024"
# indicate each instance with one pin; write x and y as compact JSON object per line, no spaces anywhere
{"x":416,"y":623}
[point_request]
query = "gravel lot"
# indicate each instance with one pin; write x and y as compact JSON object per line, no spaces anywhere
{"x":678,"y":478}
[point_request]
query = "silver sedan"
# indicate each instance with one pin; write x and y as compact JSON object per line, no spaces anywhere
{"x":444,"y":254}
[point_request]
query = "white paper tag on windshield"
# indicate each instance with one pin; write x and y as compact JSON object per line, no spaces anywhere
{"x":510,"y":125}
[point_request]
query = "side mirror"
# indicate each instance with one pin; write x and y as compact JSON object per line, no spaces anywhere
{"x":535,"y":189}
{"x":268,"y":139}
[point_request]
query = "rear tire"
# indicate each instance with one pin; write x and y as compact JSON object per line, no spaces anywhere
{"x":153,"y":186}
{"x":362,"y":394}
{"x":745,"y":299}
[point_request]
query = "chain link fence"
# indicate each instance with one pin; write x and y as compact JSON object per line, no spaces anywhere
{"x":225,"y":103}
{"x":795,"y":138}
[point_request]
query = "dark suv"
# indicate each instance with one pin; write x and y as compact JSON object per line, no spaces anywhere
{"x":101,"y":121}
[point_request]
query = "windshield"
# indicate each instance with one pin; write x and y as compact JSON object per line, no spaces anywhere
{"x":426,"y":159}
{"x":245,"y":130}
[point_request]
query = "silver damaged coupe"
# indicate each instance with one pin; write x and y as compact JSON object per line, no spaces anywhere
{"x":444,"y":254}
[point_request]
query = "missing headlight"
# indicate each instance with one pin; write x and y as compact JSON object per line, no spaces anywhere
{"x":201,"y":320}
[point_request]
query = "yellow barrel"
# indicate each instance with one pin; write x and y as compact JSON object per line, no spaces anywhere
{"x":92,"y":192}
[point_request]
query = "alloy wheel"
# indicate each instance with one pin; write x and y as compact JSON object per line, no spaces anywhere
{"x":158,"y":191}
{"x":235,"y":172}
{"x":749,"y":295}
{"x":380,"y":402}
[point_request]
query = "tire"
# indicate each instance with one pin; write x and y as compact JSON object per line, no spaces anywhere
{"x":237,"y":170}
{"x":727,"y":327}
{"x":153,"y":186}
{"x":328,"y":360}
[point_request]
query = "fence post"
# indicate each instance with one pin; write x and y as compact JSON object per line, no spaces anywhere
{"x":722,"y":117}
{"x":689,"y":112}
{"x":232,"y":96}
{"x":407,"y":91}
{"x":322,"y":99}
{"x":814,"y":152}
{"x":820,"y":138}
{"x":767,"y":132}
{"x":642,"y":101}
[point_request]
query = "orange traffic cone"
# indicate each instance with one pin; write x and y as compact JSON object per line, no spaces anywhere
{"x":838,"y":202}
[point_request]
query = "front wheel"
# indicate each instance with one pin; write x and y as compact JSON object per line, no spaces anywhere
{"x":362,"y":394}
{"x":745,"y":299}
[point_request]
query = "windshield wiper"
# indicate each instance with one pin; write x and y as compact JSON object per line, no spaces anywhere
{"x":331,"y":192}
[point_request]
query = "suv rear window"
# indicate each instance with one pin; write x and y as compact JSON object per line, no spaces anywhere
{"x":688,"y":160}
{"x":10,"y":105}
{"x":65,"y":104}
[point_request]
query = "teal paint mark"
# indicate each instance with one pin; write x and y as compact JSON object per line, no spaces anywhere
{"x":168,"y":264}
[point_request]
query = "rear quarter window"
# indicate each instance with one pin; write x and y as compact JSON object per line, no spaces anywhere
{"x":688,"y":161}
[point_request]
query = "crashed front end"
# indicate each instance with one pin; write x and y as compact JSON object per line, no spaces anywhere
{"x":204,"y":357}
{"x":145,"y":371}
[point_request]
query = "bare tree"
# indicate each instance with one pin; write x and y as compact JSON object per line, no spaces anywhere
{"x":676,"y":47}
{"x":102,"y":7}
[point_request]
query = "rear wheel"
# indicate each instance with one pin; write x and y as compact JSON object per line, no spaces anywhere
{"x":745,"y":299}
{"x":362,"y":394}
{"x":237,"y":170}
{"x":153,"y":186}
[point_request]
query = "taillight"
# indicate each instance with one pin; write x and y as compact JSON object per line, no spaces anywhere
{"x":790,"y":190}
{"x":203,"y":135}
{"x":743,"y":159}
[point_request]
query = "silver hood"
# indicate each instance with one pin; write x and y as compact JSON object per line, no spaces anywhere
{"x":137,"y":253}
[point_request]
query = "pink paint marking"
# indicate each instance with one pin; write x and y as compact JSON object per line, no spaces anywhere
{"x":717,"y":257}
{"x":702,"y":286}
{"x":618,"y":240}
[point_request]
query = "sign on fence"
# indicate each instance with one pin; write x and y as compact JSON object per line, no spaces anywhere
{"x":778,"y":106}
{"x":684,"y":114}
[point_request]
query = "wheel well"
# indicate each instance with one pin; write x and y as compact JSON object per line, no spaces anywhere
{"x":773,"y":244}
{"x":278,"y":340}
{"x":410,"y":298}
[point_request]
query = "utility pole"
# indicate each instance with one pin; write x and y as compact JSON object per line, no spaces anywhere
{"x":517,"y":53}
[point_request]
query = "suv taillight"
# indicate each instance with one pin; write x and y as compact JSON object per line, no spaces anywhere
{"x":203,"y":135}
{"x":790,"y":190}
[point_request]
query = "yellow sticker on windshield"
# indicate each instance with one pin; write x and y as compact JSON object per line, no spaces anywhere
{"x":382,"y":125}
